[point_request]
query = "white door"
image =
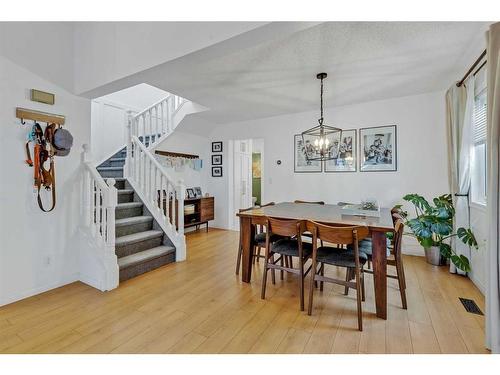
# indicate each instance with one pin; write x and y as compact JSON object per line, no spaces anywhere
{"x":242,"y":174}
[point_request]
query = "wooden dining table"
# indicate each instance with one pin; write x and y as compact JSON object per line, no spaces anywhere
{"x":331,"y":214}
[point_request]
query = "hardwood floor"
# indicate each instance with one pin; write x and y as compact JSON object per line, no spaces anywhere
{"x":200,"y":306}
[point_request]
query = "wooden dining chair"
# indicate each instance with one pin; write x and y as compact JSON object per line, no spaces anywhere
{"x":351,"y":260}
{"x":258,"y":242}
{"x":290,"y":246}
{"x":260,"y":237}
{"x":395,"y":258}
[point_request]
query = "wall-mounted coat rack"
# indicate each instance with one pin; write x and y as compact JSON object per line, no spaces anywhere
{"x":30,"y":114}
{"x":176,"y":154}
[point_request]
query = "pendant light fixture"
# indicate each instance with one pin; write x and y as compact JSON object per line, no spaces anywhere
{"x":321,"y":142}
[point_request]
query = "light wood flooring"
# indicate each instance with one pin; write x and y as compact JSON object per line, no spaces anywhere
{"x":201,"y":306}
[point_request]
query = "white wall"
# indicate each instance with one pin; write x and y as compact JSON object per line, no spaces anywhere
{"x":43,"y":48}
{"x":108,"y":51}
{"x":37,"y":250}
{"x":422,"y":155}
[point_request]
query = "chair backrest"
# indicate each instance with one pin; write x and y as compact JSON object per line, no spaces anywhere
{"x":318,"y":202}
{"x":398,"y":237}
{"x":396,"y":213}
{"x":341,"y":235}
{"x":286,"y":227}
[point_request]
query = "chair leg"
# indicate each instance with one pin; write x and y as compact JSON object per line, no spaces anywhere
{"x":402,"y":284}
{"x":238,"y":261}
{"x":258,"y":253}
{"x":301,"y":284}
{"x":286,"y":262}
{"x":311,"y":286}
{"x":264,"y":279}
{"x":281,"y":264}
{"x":322,"y":272}
{"x":347,"y":279}
{"x":273,"y":274}
{"x":290,"y":261}
{"x":363,"y":296}
{"x":358,"y":298}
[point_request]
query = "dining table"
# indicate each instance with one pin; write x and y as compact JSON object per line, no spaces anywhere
{"x":330,"y":214}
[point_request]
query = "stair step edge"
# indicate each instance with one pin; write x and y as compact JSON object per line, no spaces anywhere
{"x":133,"y":220}
{"x":125,"y":191}
{"x":130,"y":239}
{"x":144,"y":256}
{"x":126,"y":205}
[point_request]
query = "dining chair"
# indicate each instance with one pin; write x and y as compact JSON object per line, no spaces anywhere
{"x":351,"y":260}
{"x":260,"y":237}
{"x":258,"y":242}
{"x":321,"y":203}
{"x":290,"y":246}
{"x":394,"y":259}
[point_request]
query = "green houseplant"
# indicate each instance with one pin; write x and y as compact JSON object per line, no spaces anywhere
{"x":433,"y":227}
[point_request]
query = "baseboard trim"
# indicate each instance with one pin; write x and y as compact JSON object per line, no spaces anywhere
{"x":35,"y":291}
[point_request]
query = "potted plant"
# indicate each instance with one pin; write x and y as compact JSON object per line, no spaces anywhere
{"x":433,"y":228}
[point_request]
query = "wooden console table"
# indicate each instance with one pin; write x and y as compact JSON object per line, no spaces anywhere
{"x":204,"y":211}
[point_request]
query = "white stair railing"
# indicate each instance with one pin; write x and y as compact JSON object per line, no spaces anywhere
{"x":156,"y":121}
{"x":99,"y":201}
{"x":163,"y":197}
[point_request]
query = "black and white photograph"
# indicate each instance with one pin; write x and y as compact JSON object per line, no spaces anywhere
{"x":217,"y":159}
{"x":344,"y":154}
{"x":302,"y":148}
{"x":197,"y":191}
{"x":378,"y":150}
{"x":190,"y":194}
{"x":217,"y":146}
{"x":216,"y":171}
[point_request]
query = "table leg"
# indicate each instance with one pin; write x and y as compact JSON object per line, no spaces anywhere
{"x":379,"y":260}
{"x":247,"y":234}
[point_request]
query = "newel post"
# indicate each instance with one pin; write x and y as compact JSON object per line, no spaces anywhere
{"x":128,"y":161}
{"x":180,"y":250}
{"x":111,"y":203}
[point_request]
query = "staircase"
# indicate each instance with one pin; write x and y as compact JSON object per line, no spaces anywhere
{"x":133,"y":211}
{"x":140,"y":244}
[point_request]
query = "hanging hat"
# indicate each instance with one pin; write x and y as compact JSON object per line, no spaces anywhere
{"x":63,"y":140}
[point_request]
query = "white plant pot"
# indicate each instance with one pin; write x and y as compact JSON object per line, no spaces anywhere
{"x":433,"y":256}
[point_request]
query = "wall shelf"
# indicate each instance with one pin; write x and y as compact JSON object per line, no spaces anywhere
{"x":30,"y":114}
{"x":177,"y":154}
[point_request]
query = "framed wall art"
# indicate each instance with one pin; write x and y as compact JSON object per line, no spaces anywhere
{"x":217,"y":146}
{"x":301,"y":148}
{"x":346,"y":156}
{"x":217,"y":159}
{"x":216,"y":171}
{"x":378,"y":149}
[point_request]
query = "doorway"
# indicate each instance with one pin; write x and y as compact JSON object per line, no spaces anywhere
{"x":246,"y":179}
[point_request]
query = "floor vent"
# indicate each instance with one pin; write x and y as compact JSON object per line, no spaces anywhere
{"x":471,"y":306}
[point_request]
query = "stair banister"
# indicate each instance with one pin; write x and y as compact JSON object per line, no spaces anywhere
{"x":100,"y":199}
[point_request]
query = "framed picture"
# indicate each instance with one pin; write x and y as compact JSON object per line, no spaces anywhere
{"x":190,"y":193}
{"x":216,"y":146}
{"x":378,"y":149}
{"x":217,"y":159}
{"x":197,"y":191}
{"x":216,"y":171}
{"x":301,"y":164}
{"x":346,"y":156}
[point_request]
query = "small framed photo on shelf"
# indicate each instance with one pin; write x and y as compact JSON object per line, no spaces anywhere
{"x":217,"y":159}
{"x":197,"y":191}
{"x":190,"y":193}
{"x":217,"y":146}
{"x":216,"y":171}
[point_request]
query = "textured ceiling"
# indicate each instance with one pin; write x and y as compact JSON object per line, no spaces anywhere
{"x":365,"y":61}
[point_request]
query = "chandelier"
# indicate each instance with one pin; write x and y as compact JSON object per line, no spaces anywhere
{"x":321,"y":142}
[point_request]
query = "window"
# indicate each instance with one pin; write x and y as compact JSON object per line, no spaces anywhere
{"x":478,"y":162}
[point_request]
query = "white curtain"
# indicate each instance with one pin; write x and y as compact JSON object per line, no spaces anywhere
{"x":460,"y":107}
{"x":493,"y":139}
